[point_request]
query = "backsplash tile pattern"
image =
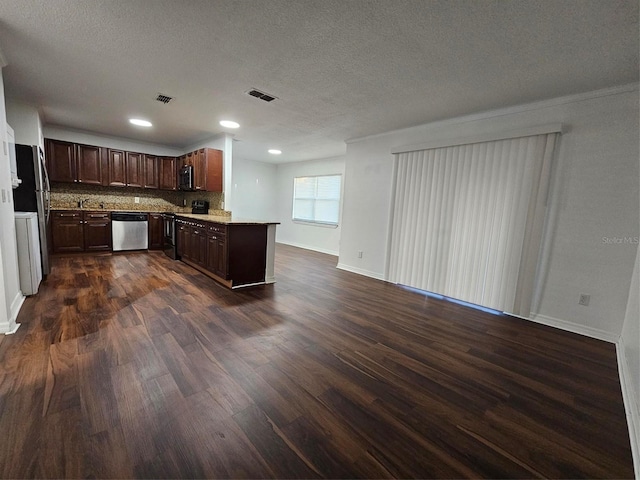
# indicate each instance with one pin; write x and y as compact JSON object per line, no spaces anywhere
{"x":67,"y":196}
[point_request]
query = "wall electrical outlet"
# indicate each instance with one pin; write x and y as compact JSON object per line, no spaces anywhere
{"x":584,"y":299}
{"x":136,"y":199}
{"x":360,"y":254}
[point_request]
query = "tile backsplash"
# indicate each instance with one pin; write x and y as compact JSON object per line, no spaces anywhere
{"x":66,"y":195}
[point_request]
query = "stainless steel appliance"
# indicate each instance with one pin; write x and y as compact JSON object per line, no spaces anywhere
{"x":185,"y":178}
{"x":130,"y":231}
{"x":33,"y":193}
{"x":200,"y":207}
{"x":169,"y":243}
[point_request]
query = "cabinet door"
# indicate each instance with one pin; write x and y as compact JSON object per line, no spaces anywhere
{"x":223,"y":257}
{"x":182,"y":238}
{"x":216,"y":261}
{"x":117,"y":166}
{"x":61,"y":161}
{"x":168,"y":173}
{"x":97,"y":231}
{"x":198,"y":246}
{"x":198,"y":160}
{"x":135,"y":169}
{"x":67,"y":232}
{"x":89,"y":163}
{"x":151,"y":172}
{"x":213,"y":166}
{"x":156,"y":224}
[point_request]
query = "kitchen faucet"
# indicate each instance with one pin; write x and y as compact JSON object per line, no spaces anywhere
{"x":82,"y":202}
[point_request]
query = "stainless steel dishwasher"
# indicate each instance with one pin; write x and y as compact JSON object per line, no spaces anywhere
{"x":130,"y":231}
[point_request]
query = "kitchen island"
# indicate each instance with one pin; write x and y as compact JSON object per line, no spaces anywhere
{"x":235,"y":252}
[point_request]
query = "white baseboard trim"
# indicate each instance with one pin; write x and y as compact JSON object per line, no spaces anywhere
{"x":308,"y":247}
{"x":631,"y":406}
{"x":575,"y":328}
{"x":360,"y":271}
{"x":11,"y":326}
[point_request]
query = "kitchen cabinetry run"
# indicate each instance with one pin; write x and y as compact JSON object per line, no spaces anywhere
{"x":92,"y":165}
{"x":80,"y":231}
{"x":74,"y":163}
{"x":232,"y":254}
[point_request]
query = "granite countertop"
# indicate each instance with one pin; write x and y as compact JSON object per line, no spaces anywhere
{"x":177,"y":210}
{"x":226,"y":220}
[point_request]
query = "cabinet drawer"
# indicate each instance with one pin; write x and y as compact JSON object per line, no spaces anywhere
{"x":89,"y":216}
{"x":67,"y":214}
{"x":218,"y":229}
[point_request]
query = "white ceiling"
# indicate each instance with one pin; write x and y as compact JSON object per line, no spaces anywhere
{"x":341,"y":69}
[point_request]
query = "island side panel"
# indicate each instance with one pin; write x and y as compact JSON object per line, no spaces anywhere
{"x":247,"y":253}
{"x":270,"y":274}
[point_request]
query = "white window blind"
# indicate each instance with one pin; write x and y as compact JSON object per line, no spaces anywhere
{"x":317,"y":199}
{"x":468,"y":220}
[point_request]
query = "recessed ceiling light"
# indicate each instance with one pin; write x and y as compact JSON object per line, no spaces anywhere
{"x":274,"y":151}
{"x":229,"y":124}
{"x":140,"y":122}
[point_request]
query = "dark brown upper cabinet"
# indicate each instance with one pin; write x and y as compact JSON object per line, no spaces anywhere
{"x":89,"y":162}
{"x":135,"y":169}
{"x":74,"y":163}
{"x":61,"y":161}
{"x":168,"y":173}
{"x":151,"y":172}
{"x":117,"y":166}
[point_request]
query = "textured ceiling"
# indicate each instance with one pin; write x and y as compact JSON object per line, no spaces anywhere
{"x":341,"y":69}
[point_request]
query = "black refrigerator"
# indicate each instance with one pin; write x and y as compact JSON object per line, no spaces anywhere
{"x":33,"y":193}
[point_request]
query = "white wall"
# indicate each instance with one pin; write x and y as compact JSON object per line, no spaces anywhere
{"x":313,"y":237}
{"x":629,"y":361}
{"x":254,"y":190}
{"x":90,"y":138}
{"x":594,"y":197}
{"x":26,"y":123}
{"x":11,"y":297}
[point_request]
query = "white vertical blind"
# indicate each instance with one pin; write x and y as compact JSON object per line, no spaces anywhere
{"x":467,"y":220}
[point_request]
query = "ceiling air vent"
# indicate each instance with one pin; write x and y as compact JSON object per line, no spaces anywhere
{"x":261,"y":95}
{"x":164,"y":98}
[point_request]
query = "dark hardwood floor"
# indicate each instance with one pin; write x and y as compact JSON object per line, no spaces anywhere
{"x":139,"y":366}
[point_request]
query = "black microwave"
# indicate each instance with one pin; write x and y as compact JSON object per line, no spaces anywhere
{"x":185,"y":178}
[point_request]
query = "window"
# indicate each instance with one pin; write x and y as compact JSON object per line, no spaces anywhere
{"x":317,"y":199}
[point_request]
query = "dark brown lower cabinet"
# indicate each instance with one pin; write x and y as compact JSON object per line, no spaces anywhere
{"x":67,"y":232}
{"x":217,"y":254}
{"x":198,"y":250}
{"x":233,"y":254}
{"x":80,"y":231}
{"x":182,"y":234}
{"x":97,"y":231}
{"x":156,"y":231}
